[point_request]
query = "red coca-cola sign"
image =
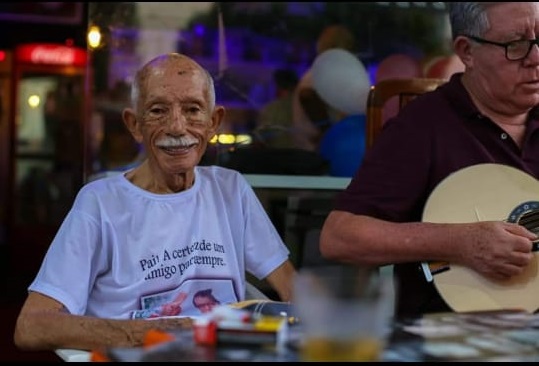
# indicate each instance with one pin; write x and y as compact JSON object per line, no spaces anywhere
{"x":51,"y":54}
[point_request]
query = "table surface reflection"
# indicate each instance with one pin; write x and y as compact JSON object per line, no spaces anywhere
{"x":302,"y":182}
{"x":479,"y":336}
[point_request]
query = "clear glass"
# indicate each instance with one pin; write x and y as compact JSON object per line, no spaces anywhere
{"x":344,"y":313}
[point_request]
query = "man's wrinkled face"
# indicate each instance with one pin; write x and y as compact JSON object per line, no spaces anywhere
{"x":174,"y":116}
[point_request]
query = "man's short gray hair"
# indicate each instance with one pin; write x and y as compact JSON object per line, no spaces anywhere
{"x":469,"y":18}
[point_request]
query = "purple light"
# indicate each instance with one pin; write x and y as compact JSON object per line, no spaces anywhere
{"x":199,"y":30}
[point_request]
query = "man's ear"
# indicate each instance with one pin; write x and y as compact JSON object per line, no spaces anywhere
{"x":217,"y":118}
{"x":130,"y":120}
{"x":463,"y":49}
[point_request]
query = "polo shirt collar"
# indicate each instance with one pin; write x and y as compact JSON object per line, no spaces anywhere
{"x":457,"y":95}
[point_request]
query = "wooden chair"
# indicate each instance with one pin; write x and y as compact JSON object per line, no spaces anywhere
{"x":383,"y":91}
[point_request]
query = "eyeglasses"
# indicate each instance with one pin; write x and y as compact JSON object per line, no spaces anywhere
{"x":514,"y":50}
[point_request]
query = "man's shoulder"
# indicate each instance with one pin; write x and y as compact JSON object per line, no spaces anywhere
{"x":447,"y":97}
{"x":221,"y":180}
{"x":424,"y":106}
{"x":216,"y":170}
{"x":102,"y":180}
{"x":219,"y":174}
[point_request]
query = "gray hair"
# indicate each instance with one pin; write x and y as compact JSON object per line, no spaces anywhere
{"x":135,"y":86}
{"x":469,"y":18}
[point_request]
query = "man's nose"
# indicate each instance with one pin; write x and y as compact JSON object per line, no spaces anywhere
{"x":533,"y":53}
{"x":177,"y":119}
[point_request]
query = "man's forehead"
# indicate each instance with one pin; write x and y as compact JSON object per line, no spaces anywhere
{"x":177,"y":67}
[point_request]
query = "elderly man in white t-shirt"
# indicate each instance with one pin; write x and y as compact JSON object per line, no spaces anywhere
{"x":141,"y":244}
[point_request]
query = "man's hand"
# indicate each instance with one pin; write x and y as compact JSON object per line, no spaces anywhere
{"x":497,"y":250}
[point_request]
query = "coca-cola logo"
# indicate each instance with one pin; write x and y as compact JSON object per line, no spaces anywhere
{"x":51,"y":54}
{"x":56,"y":56}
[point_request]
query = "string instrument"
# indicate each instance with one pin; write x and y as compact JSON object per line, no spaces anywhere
{"x":485,"y":192}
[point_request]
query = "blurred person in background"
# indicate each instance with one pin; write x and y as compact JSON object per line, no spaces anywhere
{"x":274,"y":121}
{"x":311,"y":115}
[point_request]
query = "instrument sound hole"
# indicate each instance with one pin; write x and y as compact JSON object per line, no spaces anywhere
{"x":530,"y":220}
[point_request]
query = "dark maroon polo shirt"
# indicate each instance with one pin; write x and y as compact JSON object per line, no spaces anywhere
{"x":434,"y":135}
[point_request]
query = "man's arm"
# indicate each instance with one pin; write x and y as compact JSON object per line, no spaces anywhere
{"x":282,"y":280}
{"x":495,"y":249}
{"x":44,"y":324}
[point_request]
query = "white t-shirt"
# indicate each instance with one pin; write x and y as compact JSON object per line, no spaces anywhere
{"x":122,"y":252}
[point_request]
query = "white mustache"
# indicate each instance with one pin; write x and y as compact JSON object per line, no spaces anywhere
{"x":182,"y":141}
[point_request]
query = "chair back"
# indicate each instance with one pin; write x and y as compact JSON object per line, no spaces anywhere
{"x":383,"y":91}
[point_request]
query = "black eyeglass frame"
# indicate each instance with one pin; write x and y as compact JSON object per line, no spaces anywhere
{"x":505,"y":45}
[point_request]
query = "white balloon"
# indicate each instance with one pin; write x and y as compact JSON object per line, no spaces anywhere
{"x":341,"y":80}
